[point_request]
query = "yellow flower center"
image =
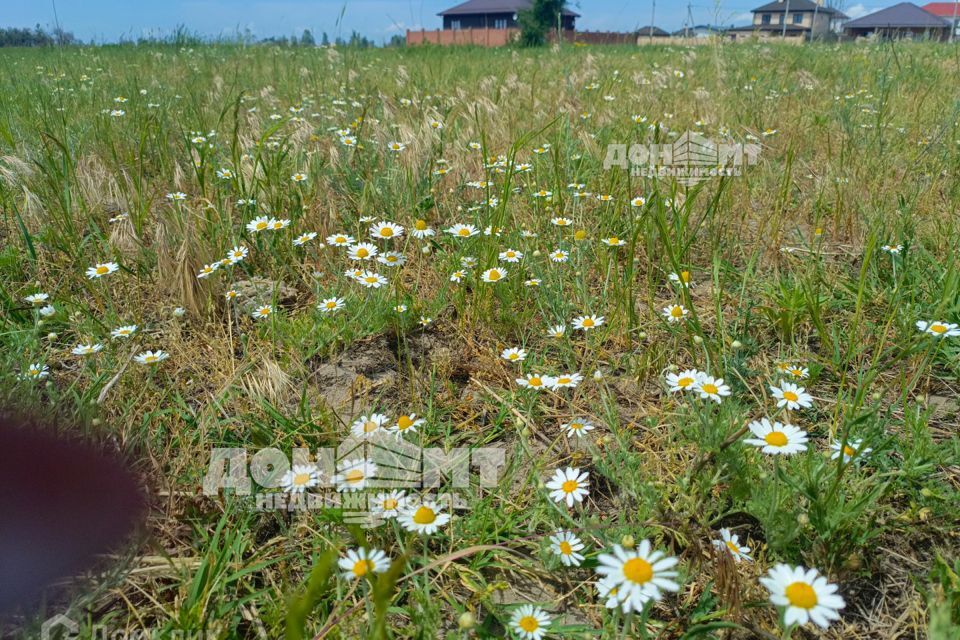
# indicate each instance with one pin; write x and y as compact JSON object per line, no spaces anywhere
{"x":576,"y":426}
{"x":420,"y":225}
{"x":390,"y":504}
{"x":354,"y":477}
{"x":150,"y":359}
{"x":570,"y":486}
{"x":776,"y":438}
{"x":513,"y":356}
{"x":424,"y":515}
{"x":588,"y":322}
{"x":361,"y":567}
{"x":534,"y":382}
{"x":331,"y":305}
{"x":938,"y":328}
{"x":370,"y":279}
{"x":638,"y":570}
{"x":710,"y":388}
{"x":801,"y":595}
{"x":494,"y":275}
{"x":732,"y":547}
{"x":848,"y":451}
{"x":301,"y":478}
{"x":676,"y":312}
{"x":362,"y":253}
{"x":404,"y":423}
{"x":528,"y":624}
{"x":102,"y":270}
{"x":614,"y":240}
{"x":685,"y":382}
{"x":790,"y":395}
{"x":386,"y":232}
{"x":463,"y":233}
{"x":565,"y":548}
{"x":369,"y":426}
{"x":563,"y":380}
{"x":261,"y":226}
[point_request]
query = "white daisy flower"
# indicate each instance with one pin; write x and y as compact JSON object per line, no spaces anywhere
{"x":384,"y":230}
{"x":35,"y":371}
{"x":569,"y":485}
{"x":300,"y":478}
{"x":565,"y":380}
{"x":776,"y":438}
{"x":237,"y":254}
{"x":423,"y":517}
{"x":87,"y":349}
{"x":557,"y":331}
{"x":422,"y":230}
{"x":361,"y":562}
{"x":578,"y":427}
{"x":331,"y":305}
{"x":939,"y":329}
{"x":640,"y":574}
{"x":406,"y":424}
{"x":340,"y":240}
{"x":535,"y":381}
{"x":151,"y":357}
{"x":530,"y":622}
{"x":675,"y":312}
{"x":304,"y":238}
{"x":511,"y":255}
{"x":353,"y":475}
{"x":853,"y":449}
{"x":262,"y":312}
{"x":260,"y":223}
{"x":514,"y":354}
{"x":731,"y":543}
{"x":37,"y":299}
{"x":804,"y":594}
{"x":684,"y":381}
{"x":362,"y":251}
{"x":566,"y":545}
{"x":372,"y":280}
{"x":366,"y":426}
{"x":102,"y":269}
{"x":791,"y":396}
{"x":712,"y":388}
{"x":495,"y":274}
{"x":388,"y":505}
{"x":462,"y":230}
{"x":585,"y":323}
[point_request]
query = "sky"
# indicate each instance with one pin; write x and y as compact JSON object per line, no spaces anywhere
{"x":110,"y":20}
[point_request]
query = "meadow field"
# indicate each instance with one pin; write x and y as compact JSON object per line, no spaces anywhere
{"x":726,"y":409}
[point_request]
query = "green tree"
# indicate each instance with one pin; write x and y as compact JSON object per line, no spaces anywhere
{"x":538,"y":20}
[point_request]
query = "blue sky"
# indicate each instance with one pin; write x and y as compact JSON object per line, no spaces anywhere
{"x":108,"y":20}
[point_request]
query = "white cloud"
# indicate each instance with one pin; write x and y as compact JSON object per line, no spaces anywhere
{"x":859,"y":10}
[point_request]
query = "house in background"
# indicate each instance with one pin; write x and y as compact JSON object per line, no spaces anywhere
{"x":946,"y":10}
{"x":494,"y":14}
{"x":904,"y":20}
{"x":652,"y":32}
{"x":700,"y":31}
{"x":796,"y":19}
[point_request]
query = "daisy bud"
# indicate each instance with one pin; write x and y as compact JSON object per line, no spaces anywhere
{"x":876,"y":396}
{"x":40,"y":323}
{"x":598,"y":375}
{"x":736,"y":344}
{"x":51,"y":336}
{"x":95,"y":422}
{"x":697,"y":340}
{"x":467,"y":620}
{"x":536,"y":253}
{"x":803,"y":519}
{"x":580,"y":235}
{"x":926,"y":492}
{"x":627,"y":542}
{"x":642,"y":335}
{"x":425,"y":249}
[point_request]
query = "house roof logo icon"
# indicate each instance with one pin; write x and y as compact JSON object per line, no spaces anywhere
{"x":59,"y":627}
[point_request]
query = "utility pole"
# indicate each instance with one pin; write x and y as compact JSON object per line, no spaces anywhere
{"x":953,"y":27}
{"x":786,"y":12}
{"x":686,"y":32}
{"x":653,"y":16}
{"x":813,"y":25}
